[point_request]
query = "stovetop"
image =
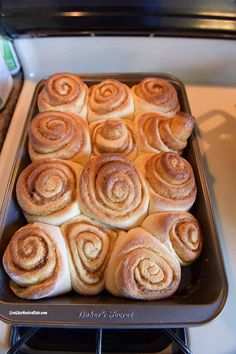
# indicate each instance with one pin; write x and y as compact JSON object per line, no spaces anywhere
{"x":205,"y":66}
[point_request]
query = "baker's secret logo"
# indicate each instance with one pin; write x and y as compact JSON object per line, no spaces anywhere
{"x":106,"y":314}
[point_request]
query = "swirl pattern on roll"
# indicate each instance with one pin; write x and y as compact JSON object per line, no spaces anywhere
{"x":180,"y":231}
{"x":110,"y":99}
{"x":155,"y":95}
{"x":64,"y":92}
{"x":47,"y":191}
{"x":36,"y":261}
{"x":156,"y":133}
{"x":89,"y":247}
{"x":113,"y":192}
{"x":141,"y":268}
{"x":170,"y":180}
{"x":59,"y":135}
{"x":113,"y":136}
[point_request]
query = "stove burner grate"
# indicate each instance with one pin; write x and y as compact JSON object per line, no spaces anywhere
{"x":26,"y":340}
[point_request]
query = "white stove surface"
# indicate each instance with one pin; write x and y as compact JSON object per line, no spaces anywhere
{"x":204,"y":65}
{"x":215,"y":110}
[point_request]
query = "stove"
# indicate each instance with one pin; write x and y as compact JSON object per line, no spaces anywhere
{"x":71,"y":340}
{"x":207,"y":67}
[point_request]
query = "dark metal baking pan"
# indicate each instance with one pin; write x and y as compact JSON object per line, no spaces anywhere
{"x":203,"y":289}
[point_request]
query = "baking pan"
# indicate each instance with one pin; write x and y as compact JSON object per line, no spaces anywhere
{"x":203,"y":289}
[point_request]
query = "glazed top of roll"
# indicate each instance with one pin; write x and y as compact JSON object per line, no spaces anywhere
{"x":142,"y":268}
{"x":57,"y":134}
{"x":110,"y":99}
{"x":30,"y":249}
{"x":89,"y":246}
{"x":170,"y":175}
{"x":159,"y":93}
{"x":36,"y":261}
{"x":62,"y":89}
{"x":113,"y":136}
{"x":158,"y":133}
{"x":112,"y":191}
{"x":180,"y":231}
{"x":46,"y":186}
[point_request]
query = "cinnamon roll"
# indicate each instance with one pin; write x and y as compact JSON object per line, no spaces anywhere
{"x":110,"y":99}
{"x":114,"y":136}
{"x":155,"y":95}
{"x":89,"y":246}
{"x":59,"y":135}
{"x":64,"y":92}
{"x":179,"y":231}
{"x":170,"y":181}
{"x":47,"y":191}
{"x":113,"y":192}
{"x":36,"y":261}
{"x":156,"y":133}
{"x":142,"y":268}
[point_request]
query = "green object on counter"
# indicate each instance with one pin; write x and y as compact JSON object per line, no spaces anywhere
{"x":6,"y":82}
{"x":9,"y":55}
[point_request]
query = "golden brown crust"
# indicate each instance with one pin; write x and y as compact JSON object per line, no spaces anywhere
{"x":47,"y":191}
{"x":110,"y":99}
{"x":89,"y":248}
{"x":170,"y":180}
{"x":113,"y":192}
{"x":36,"y":261}
{"x":141,"y":268}
{"x":110,"y":189}
{"x":179,"y":231}
{"x":59,"y":135}
{"x":64,"y":92}
{"x":113,"y":136}
{"x":155,"y":95}
{"x":156,"y":133}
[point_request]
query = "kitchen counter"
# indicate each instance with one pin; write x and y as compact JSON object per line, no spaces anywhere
{"x":7,"y":112}
{"x":215,"y":111}
{"x":5,"y":120}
